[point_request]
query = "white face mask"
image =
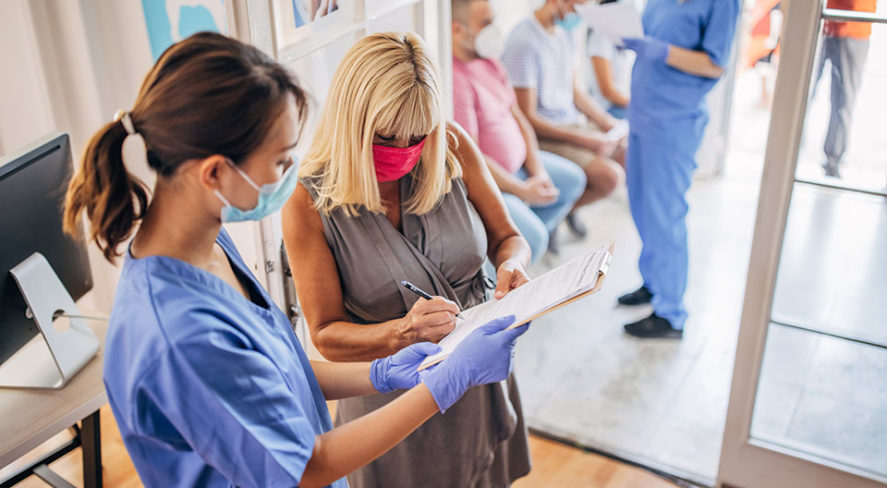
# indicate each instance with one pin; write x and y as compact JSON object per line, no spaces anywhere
{"x":488,"y":43}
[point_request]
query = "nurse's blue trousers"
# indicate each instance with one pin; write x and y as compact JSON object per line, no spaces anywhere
{"x":659,"y":169}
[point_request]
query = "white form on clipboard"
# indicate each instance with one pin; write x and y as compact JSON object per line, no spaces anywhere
{"x":570,"y":281}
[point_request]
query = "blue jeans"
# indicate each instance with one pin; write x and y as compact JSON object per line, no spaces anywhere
{"x":537,"y":222}
{"x":618,"y":112}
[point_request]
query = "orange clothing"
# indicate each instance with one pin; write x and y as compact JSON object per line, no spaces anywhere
{"x":857,"y":30}
{"x":758,"y":46}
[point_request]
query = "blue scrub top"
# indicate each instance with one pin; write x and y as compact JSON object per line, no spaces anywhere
{"x":659,"y":91}
{"x":209,"y":388}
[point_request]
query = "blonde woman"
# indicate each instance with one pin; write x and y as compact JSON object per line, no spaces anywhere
{"x":390,"y":192}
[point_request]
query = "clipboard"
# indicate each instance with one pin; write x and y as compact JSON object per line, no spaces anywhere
{"x":602,"y":273}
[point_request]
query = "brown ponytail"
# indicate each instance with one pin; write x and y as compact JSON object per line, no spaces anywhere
{"x":206,"y":95}
{"x":113,"y":199}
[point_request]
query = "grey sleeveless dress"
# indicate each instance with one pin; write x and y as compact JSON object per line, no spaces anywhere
{"x":481,"y":441}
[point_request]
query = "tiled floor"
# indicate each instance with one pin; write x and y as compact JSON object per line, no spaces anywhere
{"x":663,"y":403}
{"x":824,"y":396}
{"x":659,"y":402}
{"x":844,"y":235}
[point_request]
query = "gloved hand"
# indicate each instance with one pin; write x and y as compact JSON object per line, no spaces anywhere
{"x":482,"y":357}
{"x":648,"y":48}
{"x":400,"y":370}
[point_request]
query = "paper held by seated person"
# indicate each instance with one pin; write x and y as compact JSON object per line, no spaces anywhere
{"x":614,"y":20}
{"x":618,"y":131}
{"x":570,"y":281}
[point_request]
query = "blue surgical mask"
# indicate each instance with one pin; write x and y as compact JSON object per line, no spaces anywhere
{"x":272,"y":196}
{"x":570,"y":21}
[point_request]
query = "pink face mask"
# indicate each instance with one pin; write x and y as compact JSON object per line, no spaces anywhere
{"x":392,"y":163}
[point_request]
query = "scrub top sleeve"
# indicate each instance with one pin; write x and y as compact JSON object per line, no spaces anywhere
{"x":720,"y":29}
{"x":234,"y":408}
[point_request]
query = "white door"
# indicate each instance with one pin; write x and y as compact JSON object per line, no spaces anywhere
{"x":808,"y":403}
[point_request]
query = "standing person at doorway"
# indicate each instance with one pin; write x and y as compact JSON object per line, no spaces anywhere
{"x":845,"y":45}
{"x":539,"y":187}
{"x":539,"y":59}
{"x":684,"y":52}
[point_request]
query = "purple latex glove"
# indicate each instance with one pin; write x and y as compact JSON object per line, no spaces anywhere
{"x":400,"y":370}
{"x":648,"y":48}
{"x":482,"y":357}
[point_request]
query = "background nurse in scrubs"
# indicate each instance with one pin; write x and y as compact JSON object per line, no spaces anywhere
{"x":685,"y":50}
{"x":207,"y":382}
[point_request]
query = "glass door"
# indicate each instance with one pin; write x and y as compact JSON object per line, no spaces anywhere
{"x":808,"y":403}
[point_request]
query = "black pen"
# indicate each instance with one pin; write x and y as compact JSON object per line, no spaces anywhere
{"x":422,"y":293}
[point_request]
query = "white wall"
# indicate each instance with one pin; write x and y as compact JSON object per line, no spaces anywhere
{"x":510,"y":12}
{"x":24,"y":104}
{"x":68,"y":65}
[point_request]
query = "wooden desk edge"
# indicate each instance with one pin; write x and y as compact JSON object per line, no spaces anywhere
{"x":93,"y":403}
{"x":60,"y":424}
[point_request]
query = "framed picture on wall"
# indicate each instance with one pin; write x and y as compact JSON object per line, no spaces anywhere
{"x":170,"y":21}
{"x":304,"y":22}
{"x":308,"y":11}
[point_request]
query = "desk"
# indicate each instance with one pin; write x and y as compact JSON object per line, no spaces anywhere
{"x":30,"y":417}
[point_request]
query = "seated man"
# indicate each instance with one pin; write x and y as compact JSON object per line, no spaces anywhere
{"x":539,"y":188}
{"x":539,"y":59}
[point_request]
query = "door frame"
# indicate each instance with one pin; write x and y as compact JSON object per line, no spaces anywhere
{"x":745,"y":461}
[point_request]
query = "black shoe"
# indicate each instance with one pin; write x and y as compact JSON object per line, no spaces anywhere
{"x":576,"y":226}
{"x":640,"y":296}
{"x":831,"y":170}
{"x":653,"y":326}
{"x":553,"y":246}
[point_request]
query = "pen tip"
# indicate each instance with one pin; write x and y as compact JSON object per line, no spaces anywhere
{"x":403,"y":283}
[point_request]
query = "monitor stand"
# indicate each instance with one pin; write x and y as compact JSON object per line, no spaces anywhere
{"x":48,"y":363}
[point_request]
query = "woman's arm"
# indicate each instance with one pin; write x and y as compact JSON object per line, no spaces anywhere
{"x":507,"y":249}
{"x":320,"y":292}
{"x":591,"y":108}
{"x":343,"y":380}
{"x":395,"y":372}
{"x":697,"y":63}
{"x":603,"y":73}
{"x":483,"y":357}
{"x":355,"y":444}
{"x":320,"y":296}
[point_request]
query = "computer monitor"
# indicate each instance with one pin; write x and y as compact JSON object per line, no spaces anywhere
{"x":32,"y":192}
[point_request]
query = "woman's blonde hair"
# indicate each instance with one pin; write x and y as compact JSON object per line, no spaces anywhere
{"x":387,"y":84}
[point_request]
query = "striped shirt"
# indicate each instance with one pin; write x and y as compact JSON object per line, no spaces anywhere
{"x":534,"y":58}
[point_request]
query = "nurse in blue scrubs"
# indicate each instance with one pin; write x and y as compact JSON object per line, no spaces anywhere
{"x":207,"y":382}
{"x":684,"y":52}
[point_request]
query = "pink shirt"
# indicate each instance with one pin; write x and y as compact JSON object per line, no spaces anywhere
{"x":482,"y":99}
